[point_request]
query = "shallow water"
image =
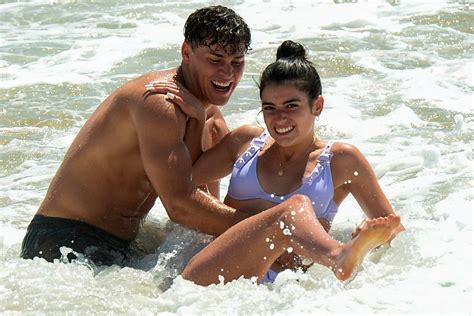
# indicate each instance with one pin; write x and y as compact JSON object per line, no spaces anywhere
{"x":398,"y":83}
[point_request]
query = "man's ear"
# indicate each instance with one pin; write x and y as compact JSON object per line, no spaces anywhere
{"x":186,"y":51}
{"x":318,"y":106}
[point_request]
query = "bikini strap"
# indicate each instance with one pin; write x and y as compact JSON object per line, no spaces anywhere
{"x":255,"y":145}
{"x":259,"y":141}
{"x":326,"y":155}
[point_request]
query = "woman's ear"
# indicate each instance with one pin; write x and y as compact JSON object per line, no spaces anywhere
{"x":318,"y":106}
{"x":186,"y":51}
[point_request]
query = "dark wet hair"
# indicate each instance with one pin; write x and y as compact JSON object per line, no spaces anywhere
{"x":217,"y":25}
{"x":292,"y":67}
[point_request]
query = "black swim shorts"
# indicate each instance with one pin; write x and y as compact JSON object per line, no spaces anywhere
{"x":46,"y":235}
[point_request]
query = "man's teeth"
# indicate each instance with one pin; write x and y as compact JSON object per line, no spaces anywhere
{"x":221,"y":84}
{"x":284,"y":130}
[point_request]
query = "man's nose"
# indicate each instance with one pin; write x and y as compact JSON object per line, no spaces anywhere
{"x":227,"y":69}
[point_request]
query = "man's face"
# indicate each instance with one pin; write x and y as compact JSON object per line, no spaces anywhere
{"x":214,"y":72}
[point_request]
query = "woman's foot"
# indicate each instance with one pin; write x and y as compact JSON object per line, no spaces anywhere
{"x":373,"y":233}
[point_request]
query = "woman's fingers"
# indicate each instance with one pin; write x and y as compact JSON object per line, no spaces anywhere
{"x":357,"y":231}
{"x":158,"y":87}
{"x":179,"y":95}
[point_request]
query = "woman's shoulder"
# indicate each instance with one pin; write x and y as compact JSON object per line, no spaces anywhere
{"x":246,"y":133}
{"x":342,"y":148}
{"x":345,"y":153}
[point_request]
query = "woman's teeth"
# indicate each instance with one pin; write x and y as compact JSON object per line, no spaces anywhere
{"x":284,"y":130}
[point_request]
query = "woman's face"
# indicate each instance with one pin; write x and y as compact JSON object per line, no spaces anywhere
{"x":288,"y":113}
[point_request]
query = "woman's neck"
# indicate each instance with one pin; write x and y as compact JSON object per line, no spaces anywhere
{"x":292,"y":153}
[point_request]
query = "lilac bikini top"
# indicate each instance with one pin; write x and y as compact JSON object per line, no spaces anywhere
{"x":318,"y":186}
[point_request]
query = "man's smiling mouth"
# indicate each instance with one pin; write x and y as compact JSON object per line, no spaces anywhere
{"x":221,"y":86}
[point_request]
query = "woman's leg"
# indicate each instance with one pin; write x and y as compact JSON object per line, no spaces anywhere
{"x":249,"y":248}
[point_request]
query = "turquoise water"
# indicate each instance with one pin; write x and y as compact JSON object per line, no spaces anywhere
{"x":398,"y":83}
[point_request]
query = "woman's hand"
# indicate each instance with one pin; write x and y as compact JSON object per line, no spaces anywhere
{"x":179,"y":95}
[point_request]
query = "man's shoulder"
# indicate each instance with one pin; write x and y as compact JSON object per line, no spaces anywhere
{"x":134,"y":95}
{"x":137,"y":85}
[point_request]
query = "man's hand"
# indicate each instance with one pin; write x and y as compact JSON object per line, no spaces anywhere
{"x":179,"y":95}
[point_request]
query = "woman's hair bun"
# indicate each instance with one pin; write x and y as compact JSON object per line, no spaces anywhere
{"x":290,"y":49}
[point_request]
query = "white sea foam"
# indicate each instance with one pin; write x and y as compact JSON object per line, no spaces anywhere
{"x":388,"y":87}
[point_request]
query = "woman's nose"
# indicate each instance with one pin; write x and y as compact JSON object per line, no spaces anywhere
{"x":281,"y":115}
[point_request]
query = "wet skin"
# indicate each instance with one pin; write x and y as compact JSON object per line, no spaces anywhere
{"x":137,"y":146}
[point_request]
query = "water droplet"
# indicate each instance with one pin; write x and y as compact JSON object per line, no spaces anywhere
{"x":293,"y":213}
{"x":272,"y":195}
{"x":272,"y":246}
{"x":356,"y":173}
{"x":282,"y":224}
{"x":267,"y":239}
{"x":289,"y":250}
{"x":286,"y":232}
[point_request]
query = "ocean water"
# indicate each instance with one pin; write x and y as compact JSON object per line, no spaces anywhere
{"x":398,"y":83}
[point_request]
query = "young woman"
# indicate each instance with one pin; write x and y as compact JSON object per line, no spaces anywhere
{"x":290,"y":181}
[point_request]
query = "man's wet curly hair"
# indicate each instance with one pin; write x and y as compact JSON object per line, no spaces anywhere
{"x":217,"y":25}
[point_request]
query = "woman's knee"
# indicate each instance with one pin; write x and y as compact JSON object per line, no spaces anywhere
{"x":300,"y":200}
{"x":297,"y":204}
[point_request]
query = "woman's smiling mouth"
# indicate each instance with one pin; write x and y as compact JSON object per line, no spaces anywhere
{"x":284,"y":130}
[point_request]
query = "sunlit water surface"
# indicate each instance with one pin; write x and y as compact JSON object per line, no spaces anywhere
{"x":398,"y":83}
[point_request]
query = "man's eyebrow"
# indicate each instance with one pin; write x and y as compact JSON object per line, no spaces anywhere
{"x":222,"y":55}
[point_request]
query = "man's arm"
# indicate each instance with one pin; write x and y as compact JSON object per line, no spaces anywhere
{"x":160,"y":129}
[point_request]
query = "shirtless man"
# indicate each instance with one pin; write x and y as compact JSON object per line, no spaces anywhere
{"x":139,"y":146}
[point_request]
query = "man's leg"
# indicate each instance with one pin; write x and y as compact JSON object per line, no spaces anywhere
{"x":46,"y":235}
{"x":250,"y":247}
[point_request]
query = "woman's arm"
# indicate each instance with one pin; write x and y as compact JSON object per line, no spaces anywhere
{"x":352,"y":173}
{"x":217,"y":162}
